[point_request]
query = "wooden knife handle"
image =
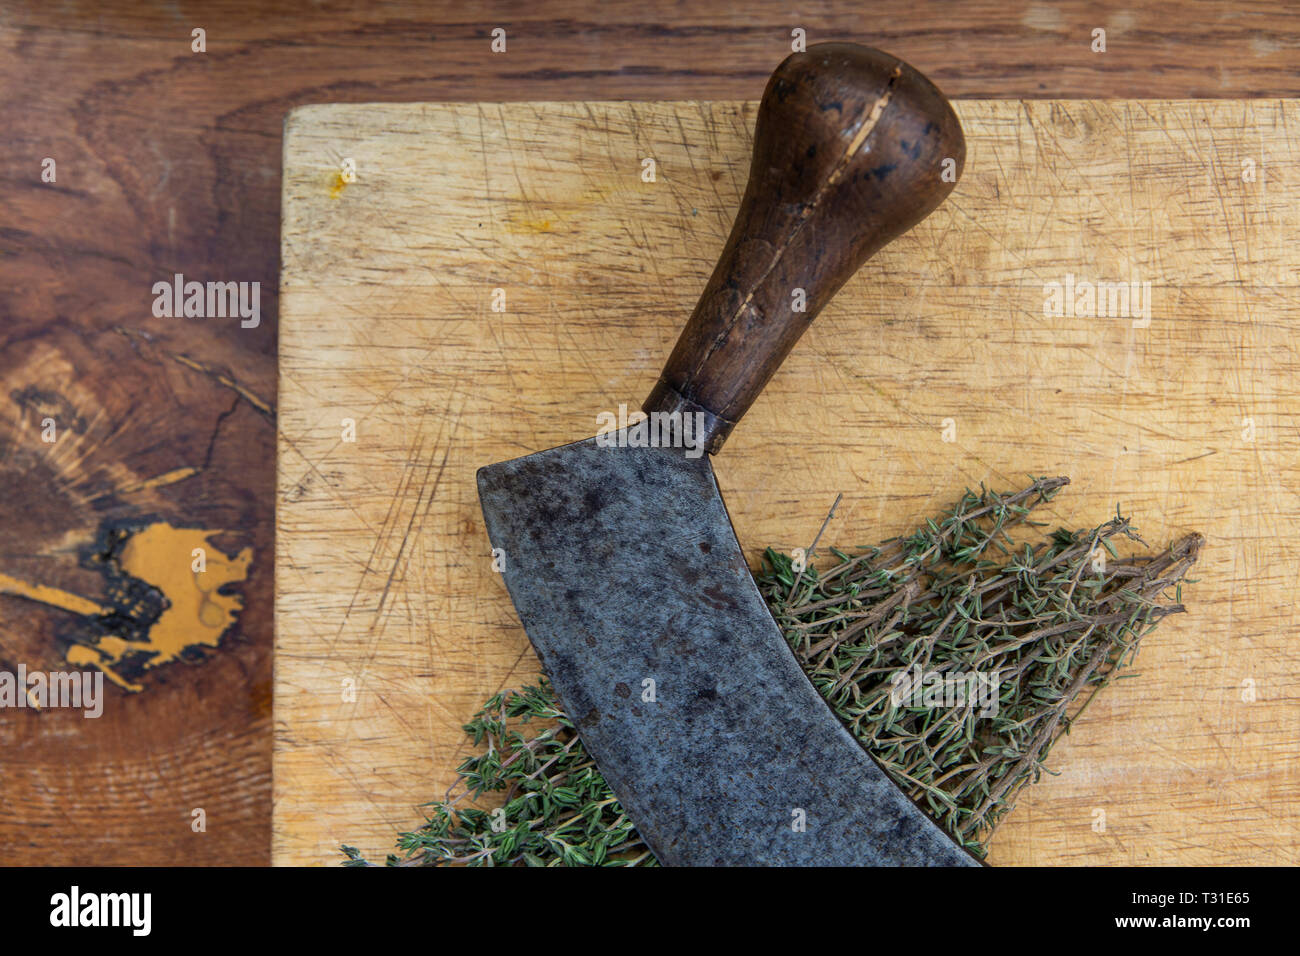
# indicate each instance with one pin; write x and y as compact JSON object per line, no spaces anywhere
{"x":852,"y":148}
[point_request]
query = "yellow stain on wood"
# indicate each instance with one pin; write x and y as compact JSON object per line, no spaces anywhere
{"x":221,"y":378}
{"x":529,"y":225}
{"x":338,"y":183}
{"x":197,"y":614}
{"x":187,"y":568}
{"x":158,"y":481}
{"x":80,"y":655}
{"x":51,"y":596}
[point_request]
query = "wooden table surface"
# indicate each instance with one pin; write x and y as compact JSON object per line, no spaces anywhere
{"x":167,"y":161}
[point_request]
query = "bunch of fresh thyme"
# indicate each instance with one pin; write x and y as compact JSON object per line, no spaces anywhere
{"x":1051,"y":620}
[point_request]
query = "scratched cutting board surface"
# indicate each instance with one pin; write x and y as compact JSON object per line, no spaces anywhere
{"x":493,"y":276}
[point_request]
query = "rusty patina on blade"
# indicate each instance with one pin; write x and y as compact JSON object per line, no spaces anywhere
{"x":624,"y":567}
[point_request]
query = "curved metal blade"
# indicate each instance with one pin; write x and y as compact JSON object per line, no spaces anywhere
{"x":631,"y":585}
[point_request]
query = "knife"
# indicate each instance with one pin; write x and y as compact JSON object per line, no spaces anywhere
{"x":618,"y":552}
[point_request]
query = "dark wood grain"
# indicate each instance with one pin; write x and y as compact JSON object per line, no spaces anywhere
{"x":850,"y":148}
{"x":169,"y":161}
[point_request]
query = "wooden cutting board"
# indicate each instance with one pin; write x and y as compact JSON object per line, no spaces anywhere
{"x":466,"y":283}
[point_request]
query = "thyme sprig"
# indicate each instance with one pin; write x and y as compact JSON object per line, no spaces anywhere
{"x":1055,"y":619}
